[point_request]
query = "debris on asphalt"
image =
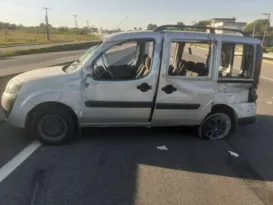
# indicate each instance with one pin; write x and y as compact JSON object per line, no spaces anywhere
{"x":269,"y":103}
{"x":234,"y":154}
{"x":162,"y":148}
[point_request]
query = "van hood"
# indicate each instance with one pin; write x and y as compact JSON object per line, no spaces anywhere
{"x":41,"y":73}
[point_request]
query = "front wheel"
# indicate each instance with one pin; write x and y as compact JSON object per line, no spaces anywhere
{"x":215,"y":126}
{"x":53,"y":126}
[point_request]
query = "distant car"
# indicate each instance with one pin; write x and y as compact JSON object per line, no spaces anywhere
{"x":147,"y":78}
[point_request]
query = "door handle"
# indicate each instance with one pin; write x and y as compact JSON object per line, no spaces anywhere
{"x":144,"y":87}
{"x":169,"y":89}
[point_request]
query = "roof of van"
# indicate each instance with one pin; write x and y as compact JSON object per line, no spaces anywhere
{"x":234,"y":37}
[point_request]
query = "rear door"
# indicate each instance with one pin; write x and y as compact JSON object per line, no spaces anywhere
{"x":239,"y":73}
{"x":186,"y":96}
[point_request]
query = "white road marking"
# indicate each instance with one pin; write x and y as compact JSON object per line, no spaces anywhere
{"x":8,"y":168}
{"x":234,"y":154}
{"x":163,"y":148}
{"x":270,"y":79}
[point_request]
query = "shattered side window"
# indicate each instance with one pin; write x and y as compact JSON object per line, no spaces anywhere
{"x":193,"y":59}
{"x":236,"y":61}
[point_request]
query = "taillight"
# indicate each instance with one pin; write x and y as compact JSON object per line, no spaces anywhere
{"x":252,"y":97}
{"x":258,"y":66}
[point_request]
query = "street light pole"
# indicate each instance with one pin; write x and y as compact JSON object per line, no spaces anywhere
{"x":266,"y":27}
{"x":46,"y":20}
{"x":76,"y":23}
{"x":254,"y":27}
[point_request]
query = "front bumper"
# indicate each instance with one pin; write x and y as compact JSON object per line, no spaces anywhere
{"x":7,"y":104}
{"x":16,"y":110}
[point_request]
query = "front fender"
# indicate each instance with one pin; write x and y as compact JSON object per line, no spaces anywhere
{"x":22,"y":106}
{"x":71,"y":98}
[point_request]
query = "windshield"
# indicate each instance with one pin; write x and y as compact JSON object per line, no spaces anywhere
{"x":76,"y":64}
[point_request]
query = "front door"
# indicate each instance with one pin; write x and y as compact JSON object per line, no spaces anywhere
{"x":122,"y":85}
{"x":186,"y":87}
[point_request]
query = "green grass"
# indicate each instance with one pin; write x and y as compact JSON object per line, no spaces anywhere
{"x":8,"y":37}
{"x":58,"y":48}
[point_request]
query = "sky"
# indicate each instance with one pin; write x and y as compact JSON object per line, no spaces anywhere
{"x":108,"y":14}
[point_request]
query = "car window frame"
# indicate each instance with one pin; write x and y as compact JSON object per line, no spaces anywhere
{"x":147,"y":39}
{"x":237,"y":79}
{"x":214,"y":48}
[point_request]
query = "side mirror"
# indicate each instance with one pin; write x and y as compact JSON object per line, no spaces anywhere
{"x":99,"y":62}
{"x":190,"y":51}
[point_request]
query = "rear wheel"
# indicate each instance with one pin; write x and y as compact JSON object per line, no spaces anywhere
{"x":53,"y":126}
{"x":215,"y":126}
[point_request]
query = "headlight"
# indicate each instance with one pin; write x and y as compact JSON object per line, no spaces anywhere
{"x":14,"y":86}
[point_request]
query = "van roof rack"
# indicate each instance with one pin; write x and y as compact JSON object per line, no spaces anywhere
{"x":181,"y":27}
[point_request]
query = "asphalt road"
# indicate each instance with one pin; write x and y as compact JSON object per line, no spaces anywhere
{"x":124,"y":166}
{"x":17,"y":64}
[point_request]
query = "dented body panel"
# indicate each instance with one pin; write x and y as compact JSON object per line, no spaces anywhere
{"x":168,"y":100}
{"x":60,"y":88}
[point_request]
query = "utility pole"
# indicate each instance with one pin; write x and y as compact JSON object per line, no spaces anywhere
{"x":266,"y":27}
{"x":76,"y":23}
{"x":46,"y":20}
{"x":254,"y":27}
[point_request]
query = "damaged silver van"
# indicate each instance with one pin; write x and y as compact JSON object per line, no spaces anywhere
{"x":165,"y":77}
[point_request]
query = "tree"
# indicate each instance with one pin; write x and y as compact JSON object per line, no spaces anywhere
{"x":139,"y":28}
{"x":260,"y":25}
{"x":180,"y":23}
{"x":63,"y":29}
{"x":151,"y":26}
{"x":135,"y":28}
{"x":4,"y":25}
{"x":202,"y":23}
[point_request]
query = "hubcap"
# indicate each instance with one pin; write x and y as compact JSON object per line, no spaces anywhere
{"x":52,"y":126}
{"x":217,"y":127}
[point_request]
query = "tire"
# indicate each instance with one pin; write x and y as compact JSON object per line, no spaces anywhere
{"x":53,"y":126}
{"x":215,"y":126}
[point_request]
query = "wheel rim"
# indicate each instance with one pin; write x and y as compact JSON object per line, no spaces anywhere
{"x":52,"y":127}
{"x":217,"y":127}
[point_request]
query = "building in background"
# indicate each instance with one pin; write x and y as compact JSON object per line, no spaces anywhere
{"x":226,"y":23}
